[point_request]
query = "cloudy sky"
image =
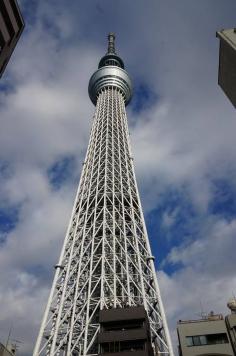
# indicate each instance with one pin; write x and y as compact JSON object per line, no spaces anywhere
{"x":183,"y":132}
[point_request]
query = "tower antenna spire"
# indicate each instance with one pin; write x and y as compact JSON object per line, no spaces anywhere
{"x":111,"y":43}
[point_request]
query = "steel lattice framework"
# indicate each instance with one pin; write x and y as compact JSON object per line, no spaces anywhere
{"x":106,"y":260}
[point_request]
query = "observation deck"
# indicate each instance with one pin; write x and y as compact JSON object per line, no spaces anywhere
{"x":110,"y":73}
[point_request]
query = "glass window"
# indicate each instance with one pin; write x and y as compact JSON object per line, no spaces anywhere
{"x":2,"y":42}
{"x":105,"y":347}
{"x":217,"y":339}
{"x":210,"y":339}
{"x":203,"y":340}
{"x":189,"y":340}
{"x":196,"y":341}
{"x":132,"y":345}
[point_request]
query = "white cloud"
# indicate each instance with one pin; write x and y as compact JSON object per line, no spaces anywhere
{"x":208,"y":253}
{"x":206,"y":278}
{"x":169,"y":218}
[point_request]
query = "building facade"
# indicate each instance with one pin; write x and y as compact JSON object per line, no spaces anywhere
{"x":227,"y":63}
{"x":105,"y":297}
{"x":230,"y":321}
{"x":212,"y":335}
{"x":9,"y":351}
{"x":11,"y":27}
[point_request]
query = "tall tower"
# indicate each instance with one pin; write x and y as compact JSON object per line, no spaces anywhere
{"x":105,"y":291}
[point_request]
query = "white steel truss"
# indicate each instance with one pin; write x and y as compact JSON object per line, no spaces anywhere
{"x":106,"y":261}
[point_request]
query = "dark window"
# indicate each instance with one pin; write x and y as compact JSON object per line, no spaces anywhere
{"x":105,"y":347}
{"x":217,"y":339}
{"x":2,"y":42}
{"x":210,"y":339}
{"x":112,"y":62}
{"x":132,"y":345}
{"x":7,"y":21}
{"x":189,"y":341}
{"x":122,"y":346}
{"x":16,"y":13}
{"x":114,"y":347}
{"x":3,"y":65}
{"x":196,"y":341}
{"x":203,"y":340}
{"x":123,"y":326}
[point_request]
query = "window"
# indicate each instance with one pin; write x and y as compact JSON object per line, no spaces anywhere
{"x":203,"y":340}
{"x":114,"y":346}
{"x":189,"y":341}
{"x":132,"y":345}
{"x":210,"y":339}
{"x":217,"y":339}
{"x":2,"y":42}
{"x":196,"y":341}
{"x":105,"y":348}
{"x":122,"y":346}
{"x":7,"y":20}
{"x":16,"y":13}
{"x":112,"y":62}
{"x":123,"y":326}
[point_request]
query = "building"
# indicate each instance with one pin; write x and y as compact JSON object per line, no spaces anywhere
{"x":124,"y":330}
{"x":11,"y":27}
{"x":227,"y":63}
{"x":105,"y":297}
{"x":7,"y":351}
{"x":211,"y":335}
{"x":230,"y":321}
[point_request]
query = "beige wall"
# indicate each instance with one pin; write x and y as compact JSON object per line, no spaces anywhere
{"x":3,"y":351}
{"x":231,"y":325}
{"x":203,"y":328}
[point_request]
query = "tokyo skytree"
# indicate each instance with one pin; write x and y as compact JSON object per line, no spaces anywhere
{"x":105,"y":298}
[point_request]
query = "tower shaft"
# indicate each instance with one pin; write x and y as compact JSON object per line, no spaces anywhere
{"x":106,"y":261}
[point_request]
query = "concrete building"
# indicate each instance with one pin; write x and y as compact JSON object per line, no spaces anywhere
{"x":227,"y":63}
{"x":230,"y":321}
{"x":11,"y":27}
{"x":10,"y":351}
{"x":125,"y":330}
{"x":211,"y":335}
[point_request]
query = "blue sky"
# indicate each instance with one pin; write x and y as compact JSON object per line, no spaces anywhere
{"x":182,"y":134}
